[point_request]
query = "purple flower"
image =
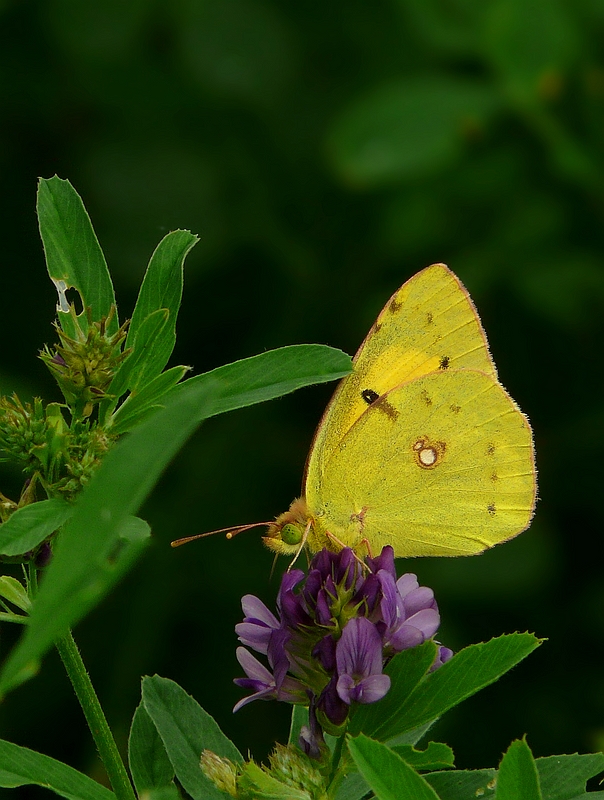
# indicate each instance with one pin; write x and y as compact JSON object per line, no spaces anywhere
{"x":334,"y":631}
{"x":409,"y":612}
{"x":292,"y":607}
{"x":258,"y":624}
{"x":359,"y":661}
{"x":263,"y":684}
{"x":333,"y":708}
{"x":443,"y":655}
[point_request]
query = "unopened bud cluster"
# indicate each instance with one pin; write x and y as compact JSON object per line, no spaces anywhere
{"x":84,"y":365}
{"x":39,"y":439}
{"x":290,"y":773}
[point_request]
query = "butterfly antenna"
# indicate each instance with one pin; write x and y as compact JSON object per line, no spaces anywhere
{"x":230,"y":533}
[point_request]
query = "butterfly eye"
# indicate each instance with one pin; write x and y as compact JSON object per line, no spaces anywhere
{"x":291,"y":534}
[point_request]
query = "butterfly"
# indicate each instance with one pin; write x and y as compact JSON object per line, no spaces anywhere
{"x":420,"y":446}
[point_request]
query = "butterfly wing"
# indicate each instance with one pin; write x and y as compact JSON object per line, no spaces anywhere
{"x":442,"y":465}
{"x":429,"y":324}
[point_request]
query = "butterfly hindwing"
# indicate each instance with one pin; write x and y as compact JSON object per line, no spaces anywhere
{"x":441,"y":465}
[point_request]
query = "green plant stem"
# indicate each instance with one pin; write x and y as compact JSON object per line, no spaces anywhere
{"x":101,"y":733}
{"x":32,"y":584}
{"x":336,"y":756}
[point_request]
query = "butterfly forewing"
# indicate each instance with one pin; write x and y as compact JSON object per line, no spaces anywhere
{"x":430,"y":324}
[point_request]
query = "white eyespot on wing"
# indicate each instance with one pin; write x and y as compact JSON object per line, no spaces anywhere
{"x":427,"y":456}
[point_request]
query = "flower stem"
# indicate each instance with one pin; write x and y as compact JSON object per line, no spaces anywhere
{"x":101,"y":733}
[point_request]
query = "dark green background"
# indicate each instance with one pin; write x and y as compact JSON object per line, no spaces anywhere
{"x":324,"y":152}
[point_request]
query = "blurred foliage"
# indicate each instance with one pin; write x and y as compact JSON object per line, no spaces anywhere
{"x":324,"y":153}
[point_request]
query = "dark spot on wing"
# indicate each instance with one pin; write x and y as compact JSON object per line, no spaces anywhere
{"x":455,"y":409}
{"x":494,"y":477}
{"x":394,"y":305}
{"x":444,"y":362}
{"x":387,"y":408}
{"x":426,"y":398}
{"x":429,"y":318}
{"x":491,"y":509}
{"x":369,"y":396}
{"x":491,"y":450}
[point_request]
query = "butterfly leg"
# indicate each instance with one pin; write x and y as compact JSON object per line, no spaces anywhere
{"x":354,"y":552}
{"x":367,"y":546}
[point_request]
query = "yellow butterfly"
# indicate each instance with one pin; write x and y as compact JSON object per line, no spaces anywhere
{"x":420,"y":446}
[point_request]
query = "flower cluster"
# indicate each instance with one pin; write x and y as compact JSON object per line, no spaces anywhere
{"x":336,"y":629}
{"x":84,"y":365}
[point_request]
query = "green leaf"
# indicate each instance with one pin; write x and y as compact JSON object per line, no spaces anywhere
{"x":458,"y":784}
{"x":406,"y":670}
{"x":165,"y":793}
{"x":386,"y":773}
{"x":436,"y":756}
{"x":351,"y":786}
{"x":132,"y":537}
{"x":21,"y":767}
{"x":517,"y":776}
{"x":78,"y":575}
{"x":561,"y":778}
{"x":269,"y":375}
{"x":465,"y":674}
{"x":149,"y":763}
{"x":407,"y":129}
{"x":161,"y":288}
{"x":14,"y":592}
{"x":73,"y":253}
{"x":89,"y":583}
{"x":32,"y":524}
{"x":564,"y":777}
{"x":412,"y":736}
{"x":131,"y":373}
{"x":186,"y":731}
{"x":140,"y":403}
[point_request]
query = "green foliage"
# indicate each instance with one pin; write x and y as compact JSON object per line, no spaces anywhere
{"x":149,"y":763}
{"x":386,"y":773}
{"x":95,"y":537}
{"x":186,"y":730}
{"x":20,"y":767}
{"x":418,"y":698}
{"x":517,"y":775}
{"x":74,"y":258}
{"x":559,"y":777}
{"x":30,"y":525}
